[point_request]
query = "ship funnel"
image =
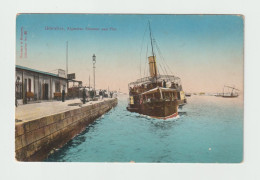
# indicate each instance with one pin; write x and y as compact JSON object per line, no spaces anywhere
{"x":152,"y":66}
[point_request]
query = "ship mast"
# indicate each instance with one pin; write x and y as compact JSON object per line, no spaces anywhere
{"x":155,"y":68}
{"x":232,"y":89}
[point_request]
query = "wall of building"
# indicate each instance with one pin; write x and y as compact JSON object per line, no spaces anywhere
{"x":37,"y":81}
{"x":18,"y":88}
{"x":35,"y":139}
{"x":28,"y":76}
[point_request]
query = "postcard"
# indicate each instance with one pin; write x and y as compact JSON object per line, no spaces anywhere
{"x":133,"y":88}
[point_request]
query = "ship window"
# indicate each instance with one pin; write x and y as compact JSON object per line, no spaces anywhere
{"x":157,"y":95}
{"x":179,"y":96}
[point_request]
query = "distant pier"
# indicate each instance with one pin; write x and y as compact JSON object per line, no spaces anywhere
{"x":41,"y":128}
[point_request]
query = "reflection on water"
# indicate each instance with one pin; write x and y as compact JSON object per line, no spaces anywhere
{"x":121,"y":136}
{"x":182,"y":113}
{"x":164,"y":124}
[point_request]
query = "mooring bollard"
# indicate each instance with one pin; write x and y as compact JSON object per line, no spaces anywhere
{"x":63,"y":95}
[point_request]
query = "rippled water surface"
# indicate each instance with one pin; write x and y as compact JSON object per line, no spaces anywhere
{"x":208,"y":129}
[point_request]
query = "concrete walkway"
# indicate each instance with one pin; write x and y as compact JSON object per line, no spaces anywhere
{"x":38,"y":110}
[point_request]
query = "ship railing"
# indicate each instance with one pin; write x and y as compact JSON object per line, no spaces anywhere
{"x":140,"y":90}
{"x":160,"y":78}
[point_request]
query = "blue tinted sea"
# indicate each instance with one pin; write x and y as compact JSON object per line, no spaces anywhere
{"x":208,"y":129}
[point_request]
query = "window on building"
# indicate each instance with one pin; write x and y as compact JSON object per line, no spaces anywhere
{"x":57,"y":86}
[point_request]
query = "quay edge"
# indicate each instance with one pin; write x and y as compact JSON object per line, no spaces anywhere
{"x":36,"y":139}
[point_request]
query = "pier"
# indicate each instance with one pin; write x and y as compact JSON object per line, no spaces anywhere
{"x":43,"y":127}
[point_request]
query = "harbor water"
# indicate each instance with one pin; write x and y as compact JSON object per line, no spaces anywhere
{"x":208,"y":129}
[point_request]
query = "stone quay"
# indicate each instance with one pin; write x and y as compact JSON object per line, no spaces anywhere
{"x":40,"y":128}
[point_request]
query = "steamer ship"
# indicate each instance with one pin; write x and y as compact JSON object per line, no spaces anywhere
{"x":156,"y":95}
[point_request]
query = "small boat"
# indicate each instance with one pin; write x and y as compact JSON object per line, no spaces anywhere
{"x":218,"y":95}
{"x":188,"y":94}
{"x":157,"y":96}
{"x":232,"y":92}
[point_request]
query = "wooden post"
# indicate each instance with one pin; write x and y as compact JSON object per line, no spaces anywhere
{"x":23,"y":86}
{"x":50,"y":88}
{"x":39,"y":95}
{"x":33,"y":85}
{"x":161,"y":93}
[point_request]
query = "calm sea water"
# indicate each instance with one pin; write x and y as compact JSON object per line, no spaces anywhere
{"x":209,"y":129}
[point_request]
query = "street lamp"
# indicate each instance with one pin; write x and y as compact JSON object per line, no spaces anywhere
{"x":94,"y":62}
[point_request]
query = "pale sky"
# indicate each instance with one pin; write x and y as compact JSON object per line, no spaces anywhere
{"x":205,"y":51}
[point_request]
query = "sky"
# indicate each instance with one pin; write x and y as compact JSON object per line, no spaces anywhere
{"x":205,"y":51}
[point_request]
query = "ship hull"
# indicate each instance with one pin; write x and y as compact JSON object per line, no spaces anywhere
{"x":159,"y":110}
{"x":229,"y":96}
{"x":182,"y":102}
{"x":167,"y":117}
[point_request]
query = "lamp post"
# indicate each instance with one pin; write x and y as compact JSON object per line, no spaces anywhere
{"x":94,"y":62}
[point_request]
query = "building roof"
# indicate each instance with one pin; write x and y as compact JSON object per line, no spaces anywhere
{"x":37,"y":71}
